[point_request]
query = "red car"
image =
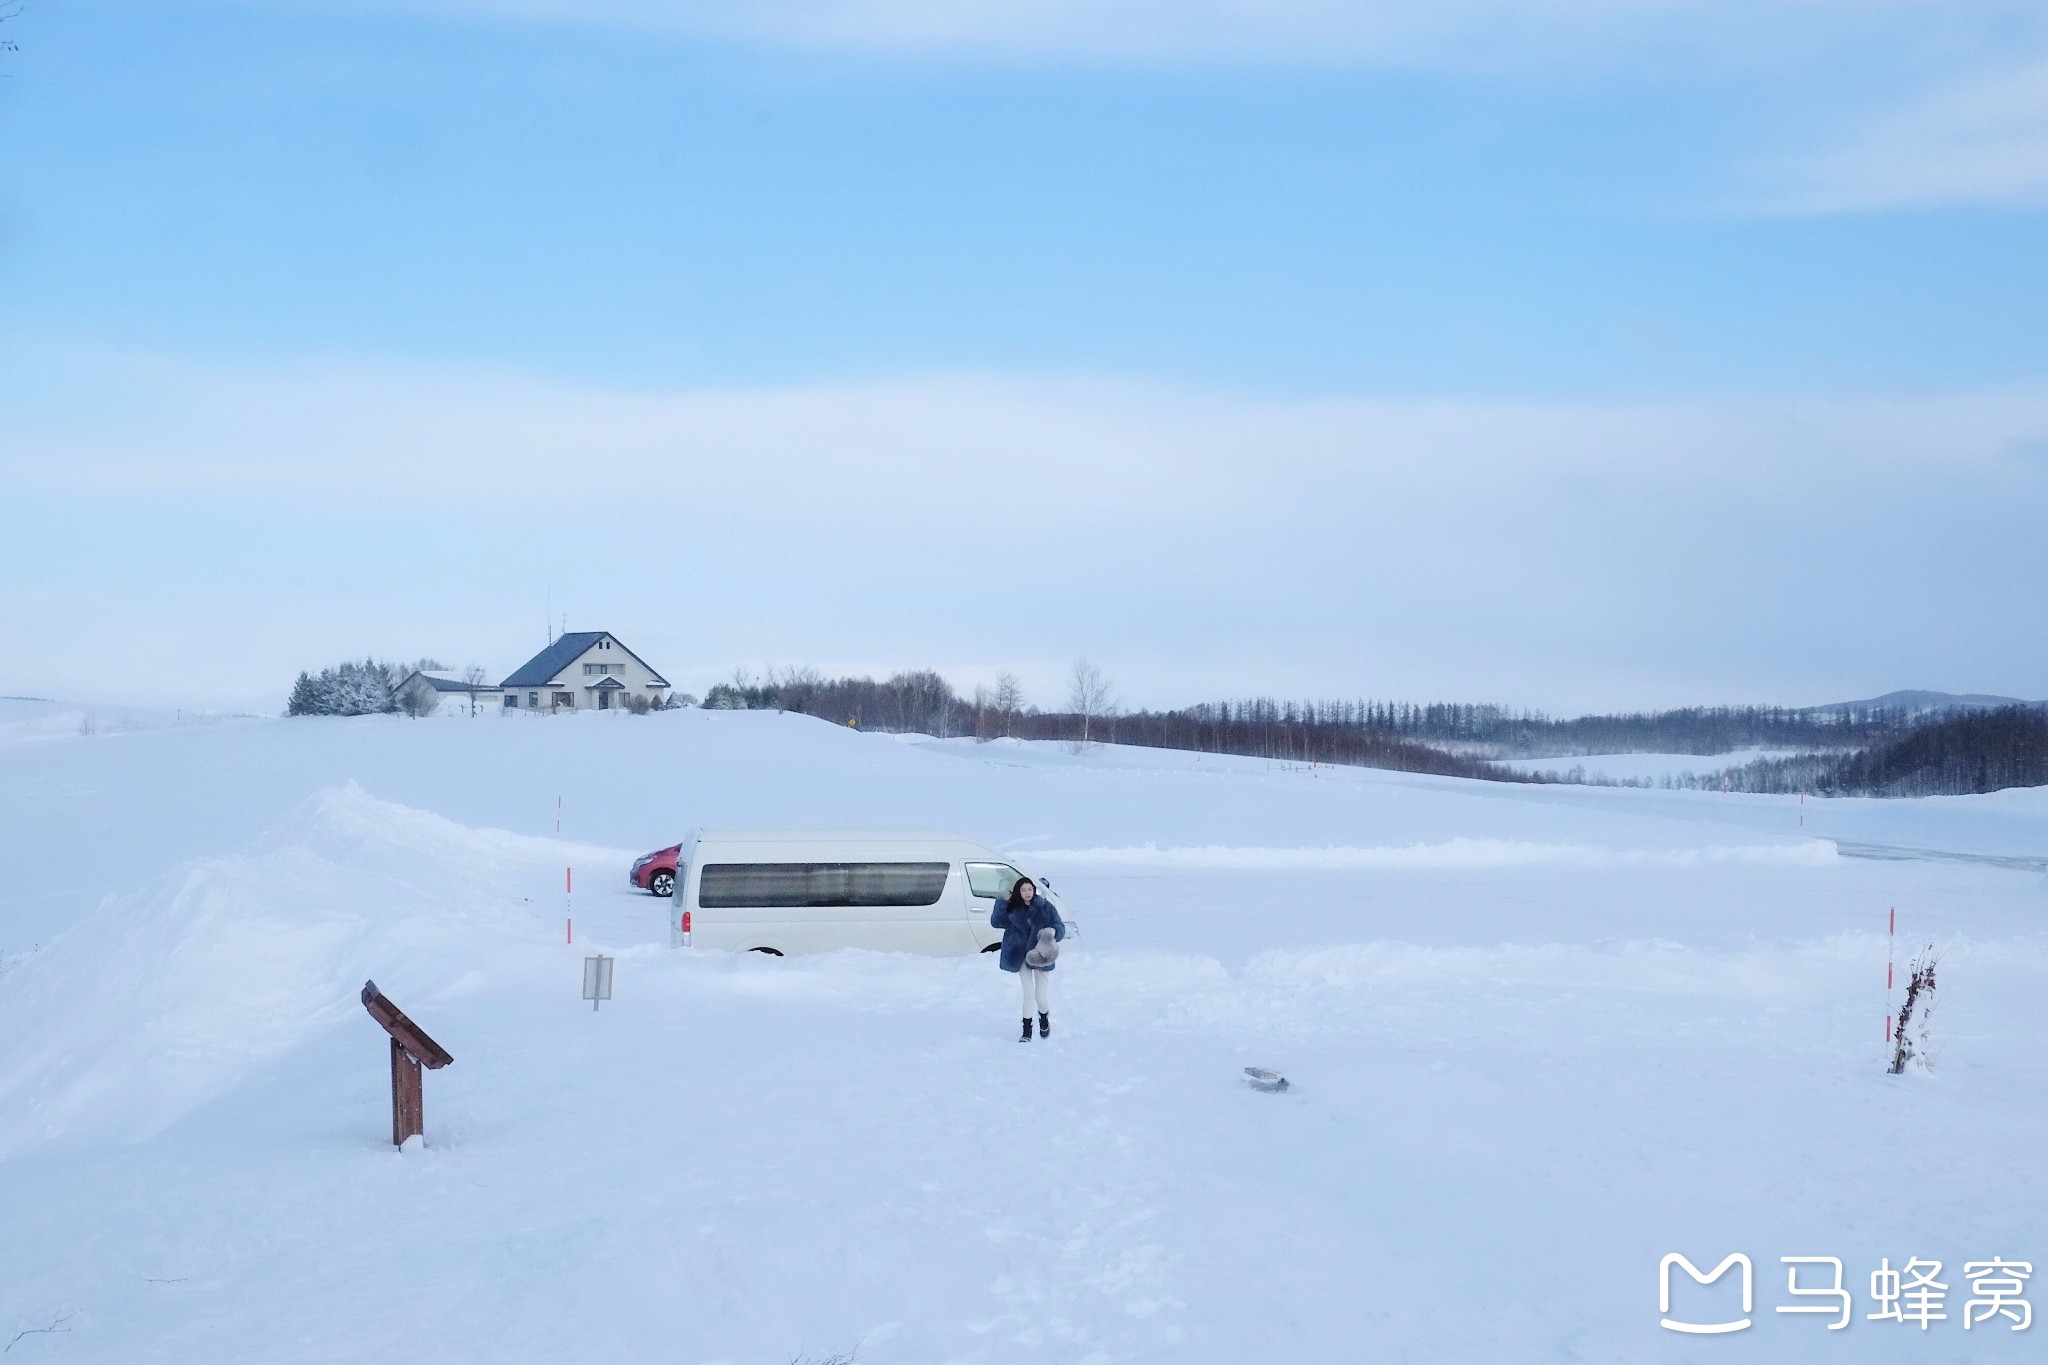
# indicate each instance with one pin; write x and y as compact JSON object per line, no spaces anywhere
{"x":656,"y":872}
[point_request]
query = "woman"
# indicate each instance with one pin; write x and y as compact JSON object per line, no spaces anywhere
{"x":1024,"y":918}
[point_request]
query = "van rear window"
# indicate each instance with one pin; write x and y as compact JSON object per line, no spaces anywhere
{"x":735,"y":886}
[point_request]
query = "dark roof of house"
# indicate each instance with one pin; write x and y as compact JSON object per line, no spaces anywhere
{"x":441,"y":684}
{"x":542,"y":667}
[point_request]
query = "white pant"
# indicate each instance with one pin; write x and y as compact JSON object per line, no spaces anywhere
{"x":1033,"y":984}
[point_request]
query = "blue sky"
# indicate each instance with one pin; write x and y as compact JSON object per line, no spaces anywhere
{"x":1573,"y":353}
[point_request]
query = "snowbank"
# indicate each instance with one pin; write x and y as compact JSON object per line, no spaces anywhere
{"x":155,"y":1004}
{"x":1500,"y":853}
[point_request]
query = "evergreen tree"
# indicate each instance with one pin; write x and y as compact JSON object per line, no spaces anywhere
{"x":309,"y":696}
{"x":368,"y":688}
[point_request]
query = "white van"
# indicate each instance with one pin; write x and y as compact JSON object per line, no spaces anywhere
{"x":813,"y":891}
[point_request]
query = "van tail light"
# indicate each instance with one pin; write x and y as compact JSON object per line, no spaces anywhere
{"x":686,"y":928}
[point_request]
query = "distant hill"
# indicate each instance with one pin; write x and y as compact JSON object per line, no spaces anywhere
{"x":1922,"y":701}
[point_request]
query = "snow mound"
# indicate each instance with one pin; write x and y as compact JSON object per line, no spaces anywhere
{"x":158,"y":1002}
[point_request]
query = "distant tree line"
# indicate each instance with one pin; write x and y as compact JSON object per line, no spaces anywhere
{"x":1950,"y":755}
{"x":1498,"y":732}
{"x":1282,"y":734}
{"x":917,"y":702}
{"x":1851,"y":750}
{"x":923,"y":702}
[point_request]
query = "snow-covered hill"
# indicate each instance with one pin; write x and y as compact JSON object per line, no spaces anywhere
{"x":1539,"y":1037}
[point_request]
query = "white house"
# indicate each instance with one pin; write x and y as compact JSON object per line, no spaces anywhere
{"x":583,"y":670}
{"x":451,"y":690}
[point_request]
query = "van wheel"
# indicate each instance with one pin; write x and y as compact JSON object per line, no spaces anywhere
{"x":662,"y":883}
{"x":772,"y":952}
{"x":993,"y":947}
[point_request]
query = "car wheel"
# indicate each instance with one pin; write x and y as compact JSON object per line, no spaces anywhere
{"x":662,"y":883}
{"x":772,"y":952}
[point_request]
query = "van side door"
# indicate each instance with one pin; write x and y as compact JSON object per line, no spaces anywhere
{"x":988,"y":883}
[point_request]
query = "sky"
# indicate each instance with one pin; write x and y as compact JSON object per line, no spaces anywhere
{"x":1575,"y":354}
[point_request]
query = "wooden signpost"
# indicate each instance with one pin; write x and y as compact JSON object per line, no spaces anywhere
{"x":411,"y":1049}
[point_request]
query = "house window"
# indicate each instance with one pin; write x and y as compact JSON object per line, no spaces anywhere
{"x":512,"y":700}
{"x":533,"y":699}
{"x":590,"y":670}
{"x":567,"y":699}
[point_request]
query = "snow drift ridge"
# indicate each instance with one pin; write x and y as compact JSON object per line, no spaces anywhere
{"x":1449,"y":854}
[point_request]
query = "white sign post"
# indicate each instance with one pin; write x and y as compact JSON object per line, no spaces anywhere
{"x":597,"y":980}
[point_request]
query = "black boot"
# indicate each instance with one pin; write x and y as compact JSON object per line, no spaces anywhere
{"x":1045,"y":1026}
{"x":1027,"y":1030}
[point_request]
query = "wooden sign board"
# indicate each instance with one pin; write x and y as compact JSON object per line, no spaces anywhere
{"x":411,"y":1049}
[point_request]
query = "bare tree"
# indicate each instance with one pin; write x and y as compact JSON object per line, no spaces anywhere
{"x":981,"y":712}
{"x":474,"y":675}
{"x":796,"y":688}
{"x":1009,"y":701}
{"x":1087,"y":695}
{"x":59,"y":1325}
{"x":923,"y":703}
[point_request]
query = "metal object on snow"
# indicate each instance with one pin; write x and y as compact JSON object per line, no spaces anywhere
{"x":597,"y":980}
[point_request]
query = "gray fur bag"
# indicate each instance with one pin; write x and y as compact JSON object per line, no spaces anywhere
{"x":1044,"y":952}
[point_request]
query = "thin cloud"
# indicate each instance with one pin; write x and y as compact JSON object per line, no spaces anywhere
{"x":372,"y":436}
{"x":1979,"y":138}
{"x":1551,"y":553}
{"x":1455,"y":34}
{"x":1983,"y":141}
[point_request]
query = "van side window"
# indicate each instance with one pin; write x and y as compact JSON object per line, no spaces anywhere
{"x":736,"y":886}
{"x":991,"y":880}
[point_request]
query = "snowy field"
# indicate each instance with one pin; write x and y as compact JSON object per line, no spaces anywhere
{"x":28,"y":719}
{"x":1539,"y":1037}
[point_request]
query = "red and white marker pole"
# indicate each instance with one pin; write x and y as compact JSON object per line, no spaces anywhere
{"x":1890,"y":945}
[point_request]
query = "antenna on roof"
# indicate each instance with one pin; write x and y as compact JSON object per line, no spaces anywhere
{"x":547,"y":622}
